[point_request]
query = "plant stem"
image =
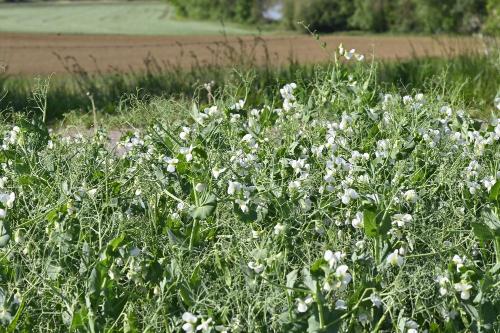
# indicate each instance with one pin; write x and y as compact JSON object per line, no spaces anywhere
{"x":193,"y":234}
{"x":319,"y":301}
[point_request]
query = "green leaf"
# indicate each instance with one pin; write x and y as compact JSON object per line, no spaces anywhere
{"x":370,"y":223}
{"x":13,"y":324}
{"x":195,"y":279}
{"x":115,"y":243}
{"x":4,"y":234}
{"x":495,"y":269}
{"x":206,"y":208}
{"x":472,"y":311}
{"x":95,"y":280}
{"x":130,"y":323}
{"x":309,"y":281}
{"x":290,"y":280}
{"x":79,"y":319}
{"x":200,"y":152}
{"x":312,"y":324}
{"x":495,"y":192}
{"x":481,"y":231}
{"x":27,"y":180}
{"x":186,"y":296}
{"x":492,"y":222}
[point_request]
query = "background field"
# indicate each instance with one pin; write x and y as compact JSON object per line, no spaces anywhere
{"x":128,"y":18}
{"x":113,"y":50}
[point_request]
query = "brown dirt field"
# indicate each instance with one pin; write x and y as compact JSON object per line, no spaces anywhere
{"x":30,"y":54}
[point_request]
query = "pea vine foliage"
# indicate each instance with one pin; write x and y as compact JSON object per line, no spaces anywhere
{"x":335,"y":208}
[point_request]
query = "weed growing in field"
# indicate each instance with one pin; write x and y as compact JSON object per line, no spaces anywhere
{"x":334,"y":208}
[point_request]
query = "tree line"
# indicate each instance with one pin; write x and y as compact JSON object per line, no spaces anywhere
{"x":419,"y":16}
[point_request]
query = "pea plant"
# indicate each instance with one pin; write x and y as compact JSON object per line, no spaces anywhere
{"x":335,"y":207}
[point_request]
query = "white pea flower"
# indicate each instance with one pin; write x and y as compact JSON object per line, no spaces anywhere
{"x":473,"y":187}
{"x":303,"y":304}
{"x":340,"y":305}
{"x":250,"y":141}
{"x":200,"y":187}
{"x":357,"y":222}
{"x":360,"y":57}
{"x":459,"y":262}
{"x":360,"y":244}
{"x":234,"y":188}
{"x":256,"y":234}
{"x":204,"y":326}
{"x":411,"y":196}
{"x":402,"y":219}
{"x":92,"y":192}
{"x":412,"y":326}
{"x":235,"y":118}
{"x":446,"y":110}
{"x":278,"y":228}
{"x":190,"y":322}
{"x":187,"y":152}
{"x":305,"y":204}
{"x":333,"y":258}
{"x":222,"y":329}
{"x":243,"y":205}
{"x":299,"y":165}
{"x":349,"y":194}
{"x":489,"y":182}
{"x":3,"y":214}
{"x":349,"y":54}
{"x":450,"y":315}
{"x":5,"y":316}
{"x":497,"y":102}
{"x":238,"y":105}
{"x":407,"y":99}
{"x":134,"y":252}
{"x":464,"y":288}
{"x":395,"y":259}
{"x":376,"y":301}
{"x":217,"y":172}
{"x":342,"y":276}
{"x":8,"y":199}
{"x":3,"y":180}
{"x":257,"y":268}
{"x":184,"y":135}
{"x":171,"y":164}
{"x":442,"y":281}
{"x":364,"y":318}
{"x":212,"y":111}
{"x":294,"y":185}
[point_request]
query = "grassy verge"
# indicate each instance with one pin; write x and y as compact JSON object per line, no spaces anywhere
{"x":473,"y":78}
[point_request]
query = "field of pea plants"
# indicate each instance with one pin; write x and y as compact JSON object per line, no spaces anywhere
{"x":336,"y":206}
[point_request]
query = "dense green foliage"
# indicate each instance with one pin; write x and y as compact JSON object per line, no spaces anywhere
{"x":238,"y":10}
{"x":492,"y":24}
{"x":338,"y":206}
{"x":426,"y":16}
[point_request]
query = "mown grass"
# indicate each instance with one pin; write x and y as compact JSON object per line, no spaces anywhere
{"x":474,"y":78}
{"x":125,"y":18}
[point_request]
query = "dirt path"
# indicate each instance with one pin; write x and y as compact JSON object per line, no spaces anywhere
{"x":44,"y":54}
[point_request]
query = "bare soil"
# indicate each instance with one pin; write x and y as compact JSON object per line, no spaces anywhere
{"x":31,"y":54}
